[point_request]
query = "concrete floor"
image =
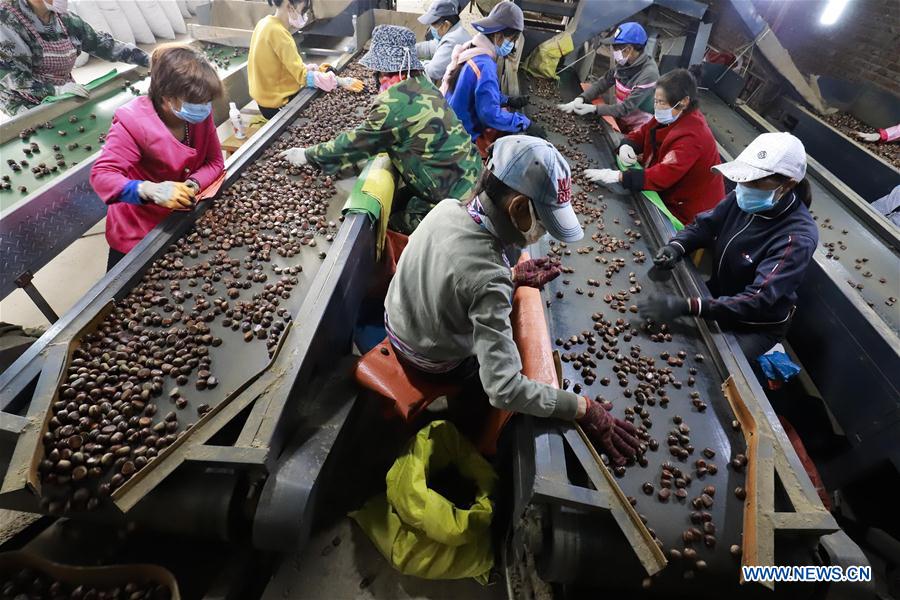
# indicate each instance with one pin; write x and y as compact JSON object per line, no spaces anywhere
{"x":62,"y":281}
{"x":341,"y":562}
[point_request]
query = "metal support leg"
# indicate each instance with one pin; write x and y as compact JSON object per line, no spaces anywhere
{"x":24,"y":282}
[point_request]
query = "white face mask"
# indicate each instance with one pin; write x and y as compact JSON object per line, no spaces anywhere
{"x":297,"y":20}
{"x":536,"y":231}
{"x":619,"y":57}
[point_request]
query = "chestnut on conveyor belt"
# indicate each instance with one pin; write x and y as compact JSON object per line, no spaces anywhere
{"x":148,"y":372}
{"x":848,"y":124}
{"x":618,"y":357}
{"x":29,"y":584}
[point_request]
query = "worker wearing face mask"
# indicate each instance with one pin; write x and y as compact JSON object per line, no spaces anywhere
{"x":677,"y":151}
{"x":411,"y":122}
{"x":447,"y":313}
{"x":634,"y":78}
{"x":762,"y":239}
{"x":275,"y":71}
{"x":161,"y":149}
{"x":471,"y":85}
{"x":446,"y":34}
{"x":40,"y":42}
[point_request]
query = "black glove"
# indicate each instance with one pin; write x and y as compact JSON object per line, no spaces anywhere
{"x":664,"y":308}
{"x":667,"y":257}
{"x":536,"y":130}
{"x":518,"y":101}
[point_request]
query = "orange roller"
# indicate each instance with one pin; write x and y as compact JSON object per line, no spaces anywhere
{"x":533,"y":340}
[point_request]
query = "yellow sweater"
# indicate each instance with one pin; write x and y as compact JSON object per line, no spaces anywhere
{"x":275,"y":70}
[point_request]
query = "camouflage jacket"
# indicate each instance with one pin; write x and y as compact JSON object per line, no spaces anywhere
{"x":427,"y":144}
{"x":20,"y":52}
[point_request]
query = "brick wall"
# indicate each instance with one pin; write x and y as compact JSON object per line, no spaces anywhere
{"x":864,"y":45}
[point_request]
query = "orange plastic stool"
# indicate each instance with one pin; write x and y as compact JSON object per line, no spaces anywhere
{"x":408,"y":392}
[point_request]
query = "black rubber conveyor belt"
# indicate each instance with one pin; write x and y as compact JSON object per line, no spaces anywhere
{"x":665,"y":380}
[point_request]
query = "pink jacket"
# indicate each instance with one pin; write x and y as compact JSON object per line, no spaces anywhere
{"x":139,"y":146}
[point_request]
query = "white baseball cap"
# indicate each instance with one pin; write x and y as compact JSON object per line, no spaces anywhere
{"x":535,"y":168}
{"x":768,"y":154}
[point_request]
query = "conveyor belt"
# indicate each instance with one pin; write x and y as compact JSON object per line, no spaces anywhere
{"x":856,"y":247}
{"x":93,"y":116}
{"x":235,"y":362}
{"x":572,"y":300}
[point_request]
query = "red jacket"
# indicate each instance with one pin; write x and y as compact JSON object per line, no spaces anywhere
{"x":677,"y":164}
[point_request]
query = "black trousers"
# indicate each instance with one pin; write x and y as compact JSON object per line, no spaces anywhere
{"x":756,"y":343}
{"x":268,"y":113}
{"x":113,"y":259}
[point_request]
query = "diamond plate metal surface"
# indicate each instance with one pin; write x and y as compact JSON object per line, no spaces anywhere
{"x":35,"y":232}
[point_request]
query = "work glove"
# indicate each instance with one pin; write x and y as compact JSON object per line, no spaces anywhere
{"x":350,"y":83}
{"x":667,"y":257}
{"x":570,"y":106}
{"x":324,"y":81}
{"x":195,"y":187}
{"x":325,"y":68}
{"x":617,"y":438}
{"x":517,"y":102}
{"x":604,"y":176}
{"x":627,"y":155}
{"x":536,"y":130}
{"x":173,"y":195}
{"x":295,"y":156}
{"x":664,"y":308}
{"x":585,"y":108}
{"x":535,"y":273}
{"x":71,"y":88}
{"x":868,"y":137}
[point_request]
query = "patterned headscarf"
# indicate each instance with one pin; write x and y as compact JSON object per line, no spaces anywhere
{"x":393,"y":50}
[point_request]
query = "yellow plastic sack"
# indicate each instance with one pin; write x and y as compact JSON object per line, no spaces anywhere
{"x":419,"y":531}
{"x":545,"y":58}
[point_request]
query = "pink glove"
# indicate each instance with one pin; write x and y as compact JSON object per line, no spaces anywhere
{"x":535,"y":273}
{"x":615,"y":437}
{"x":324,"y":81}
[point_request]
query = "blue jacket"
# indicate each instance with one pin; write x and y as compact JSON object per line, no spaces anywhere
{"x":759,"y":260}
{"x":477,"y":100}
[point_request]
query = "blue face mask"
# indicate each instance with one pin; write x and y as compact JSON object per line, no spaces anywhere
{"x":505,"y":48}
{"x":434,"y":33}
{"x":751,"y":200}
{"x":664,"y":116}
{"x":194,"y":113}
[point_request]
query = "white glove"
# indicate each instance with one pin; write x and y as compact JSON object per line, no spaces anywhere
{"x":350,"y":83}
{"x":867,"y":137}
{"x":173,"y":195}
{"x":605,"y":176}
{"x":570,"y":107}
{"x":71,"y":88}
{"x":295,"y":156}
{"x":585,"y":108}
{"x":627,"y":155}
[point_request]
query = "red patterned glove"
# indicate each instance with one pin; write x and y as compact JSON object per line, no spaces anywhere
{"x":617,"y":438}
{"x":535,"y":273}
